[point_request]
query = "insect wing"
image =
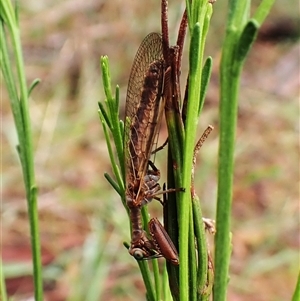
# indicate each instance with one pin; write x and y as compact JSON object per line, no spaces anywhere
{"x":143,"y":106}
{"x":163,"y":242}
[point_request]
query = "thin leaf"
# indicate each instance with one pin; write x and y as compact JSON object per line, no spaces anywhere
{"x":205,"y":78}
{"x":105,"y":115}
{"x":113,"y":183}
{"x":246,"y":40}
{"x":33,"y":85}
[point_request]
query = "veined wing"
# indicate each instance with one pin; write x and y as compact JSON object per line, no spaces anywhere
{"x":144,"y":107}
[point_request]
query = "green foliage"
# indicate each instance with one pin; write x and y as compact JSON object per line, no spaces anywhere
{"x":18,"y":95}
{"x":240,"y":34}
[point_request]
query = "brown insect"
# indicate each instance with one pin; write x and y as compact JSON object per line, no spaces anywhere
{"x":162,"y":241}
{"x":143,"y":114}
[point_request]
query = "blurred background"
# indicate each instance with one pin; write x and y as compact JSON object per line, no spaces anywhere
{"x":82,"y":221}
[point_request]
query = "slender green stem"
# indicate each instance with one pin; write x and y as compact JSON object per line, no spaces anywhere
{"x":240,"y":34}
{"x":190,"y":130}
{"x":10,"y":83}
{"x":199,"y":13}
{"x":171,"y":224}
{"x":113,"y":111}
{"x":192,"y":261}
{"x":201,"y":245}
{"x":23,"y":125}
{"x":228,"y":110}
{"x":229,"y":77}
{"x":146,"y":274}
{"x":157,"y":279}
{"x":166,"y":294}
{"x":263,"y":10}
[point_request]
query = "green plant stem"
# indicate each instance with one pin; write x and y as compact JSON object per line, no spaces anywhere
{"x":199,"y":13}
{"x":157,"y":279}
{"x":145,"y":271}
{"x":192,"y":261}
{"x":239,"y":38}
{"x":166,"y":294}
{"x":263,"y":10}
{"x":171,"y":224}
{"x":201,"y":246}
{"x":228,"y":110}
{"x":23,"y":125}
{"x":229,"y":78}
{"x":190,"y":130}
{"x":112,"y":114}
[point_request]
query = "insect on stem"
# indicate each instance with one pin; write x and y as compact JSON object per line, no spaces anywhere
{"x":143,"y":114}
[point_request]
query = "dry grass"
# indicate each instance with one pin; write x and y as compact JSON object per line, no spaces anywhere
{"x":82,"y":221}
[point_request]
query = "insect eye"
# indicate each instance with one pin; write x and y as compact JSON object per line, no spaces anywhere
{"x":138,"y":254}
